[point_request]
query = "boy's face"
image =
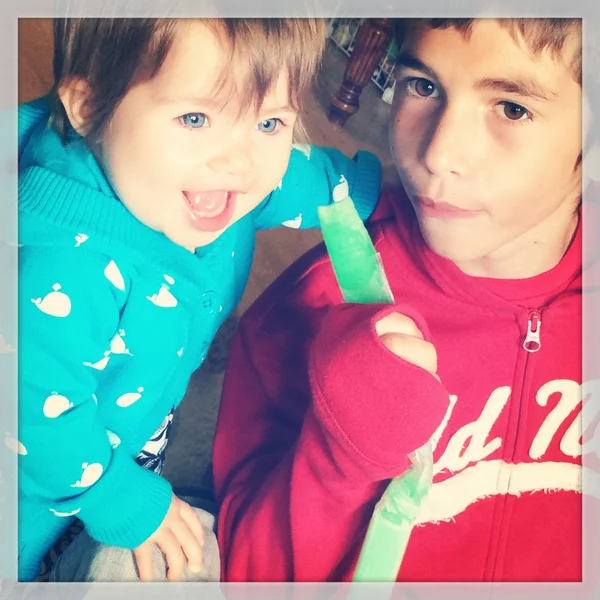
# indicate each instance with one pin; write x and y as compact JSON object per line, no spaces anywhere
{"x":486,"y":136}
{"x":186,"y":160}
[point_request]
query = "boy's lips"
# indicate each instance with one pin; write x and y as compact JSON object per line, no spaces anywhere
{"x":443,"y":210}
{"x":209,"y":210}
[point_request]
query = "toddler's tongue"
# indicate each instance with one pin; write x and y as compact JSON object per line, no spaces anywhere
{"x":207,"y":204}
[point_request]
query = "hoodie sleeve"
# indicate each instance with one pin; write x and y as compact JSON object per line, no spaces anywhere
{"x":69,"y":305}
{"x":316,"y":177}
{"x":316,"y":416}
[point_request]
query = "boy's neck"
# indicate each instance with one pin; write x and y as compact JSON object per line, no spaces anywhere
{"x":539,"y":251}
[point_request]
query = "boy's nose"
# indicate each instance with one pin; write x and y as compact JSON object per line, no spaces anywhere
{"x":233,"y":159}
{"x":450,"y":144}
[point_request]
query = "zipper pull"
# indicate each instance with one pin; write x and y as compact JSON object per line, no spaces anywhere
{"x":532,"y":341}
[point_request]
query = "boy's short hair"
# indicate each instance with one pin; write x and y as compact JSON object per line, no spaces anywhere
{"x":539,"y":33}
{"x":113,"y":55}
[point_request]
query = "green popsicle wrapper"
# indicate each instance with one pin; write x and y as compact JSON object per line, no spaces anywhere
{"x":361,"y":278}
{"x":355,"y":261}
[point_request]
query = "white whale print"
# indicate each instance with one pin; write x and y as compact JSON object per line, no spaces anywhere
{"x":164,"y":298}
{"x":55,"y":304}
{"x":91,"y":474}
{"x":341,"y":191}
{"x":294,"y":223}
{"x":113,"y":274}
{"x":55,"y":405}
{"x":81,"y":238}
{"x":113,"y":438}
{"x":101,"y":364}
{"x":117,"y":345}
{"x":129,"y":398}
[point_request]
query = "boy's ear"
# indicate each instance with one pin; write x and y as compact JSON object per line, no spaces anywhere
{"x":75,"y":96}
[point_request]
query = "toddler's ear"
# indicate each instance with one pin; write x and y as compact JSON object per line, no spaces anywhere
{"x":75,"y":96}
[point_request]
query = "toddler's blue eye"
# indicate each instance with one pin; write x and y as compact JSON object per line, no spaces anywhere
{"x":269,"y":125}
{"x":194,"y":120}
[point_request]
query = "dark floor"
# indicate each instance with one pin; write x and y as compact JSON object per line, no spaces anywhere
{"x":188,"y":456}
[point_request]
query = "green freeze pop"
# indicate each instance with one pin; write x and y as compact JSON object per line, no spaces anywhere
{"x":361,"y":278}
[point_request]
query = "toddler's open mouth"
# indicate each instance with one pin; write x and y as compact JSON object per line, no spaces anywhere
{"x":209,"y":210}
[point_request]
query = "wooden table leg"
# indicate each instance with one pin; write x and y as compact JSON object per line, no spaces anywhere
{"x":371,"y":44}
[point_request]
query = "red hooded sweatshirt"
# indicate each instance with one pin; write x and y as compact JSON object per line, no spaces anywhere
{"x":317,"y":416}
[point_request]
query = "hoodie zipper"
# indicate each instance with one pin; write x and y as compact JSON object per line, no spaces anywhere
{"x":532,"y":343}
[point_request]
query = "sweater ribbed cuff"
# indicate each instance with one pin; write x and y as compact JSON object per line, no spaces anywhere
{"x":126,"y":506}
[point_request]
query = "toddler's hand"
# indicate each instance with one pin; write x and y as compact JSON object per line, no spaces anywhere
{"x":401,"y":336}
{"x":179,"y":536}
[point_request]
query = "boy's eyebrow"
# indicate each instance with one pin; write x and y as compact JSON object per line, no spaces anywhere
{"x":405,"y":59}
{"x":527,"y":88}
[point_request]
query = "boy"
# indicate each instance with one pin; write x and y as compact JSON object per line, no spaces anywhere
{"x":143,"y":177}
{"x":481,"y":354}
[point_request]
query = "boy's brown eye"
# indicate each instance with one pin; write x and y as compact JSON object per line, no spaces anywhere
{"x":423,"y":87}
{"x":514,"y":112}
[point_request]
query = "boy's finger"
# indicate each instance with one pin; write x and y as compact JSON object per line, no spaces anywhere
{"x":143,"y":559}
{"x":171,"y":548}
{"x":413,"y":350}
{"x":397,"y":323}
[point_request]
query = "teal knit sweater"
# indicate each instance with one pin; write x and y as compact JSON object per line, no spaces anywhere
{"x":114,"y":318}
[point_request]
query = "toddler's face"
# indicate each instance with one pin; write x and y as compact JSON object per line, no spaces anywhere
{"x":189,"y":160}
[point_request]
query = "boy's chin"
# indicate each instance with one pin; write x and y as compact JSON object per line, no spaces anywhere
{"x":455,"y":250}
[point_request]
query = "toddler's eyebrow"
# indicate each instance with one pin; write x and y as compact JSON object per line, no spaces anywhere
{"x":203,"y":100}
{"x":275,"y":108}
{"x":526,"y":87}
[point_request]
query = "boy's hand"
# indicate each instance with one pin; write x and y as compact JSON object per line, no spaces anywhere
{"x":401,"y":336}
{"x":375,"y":383}
{"x":179,"y":536}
